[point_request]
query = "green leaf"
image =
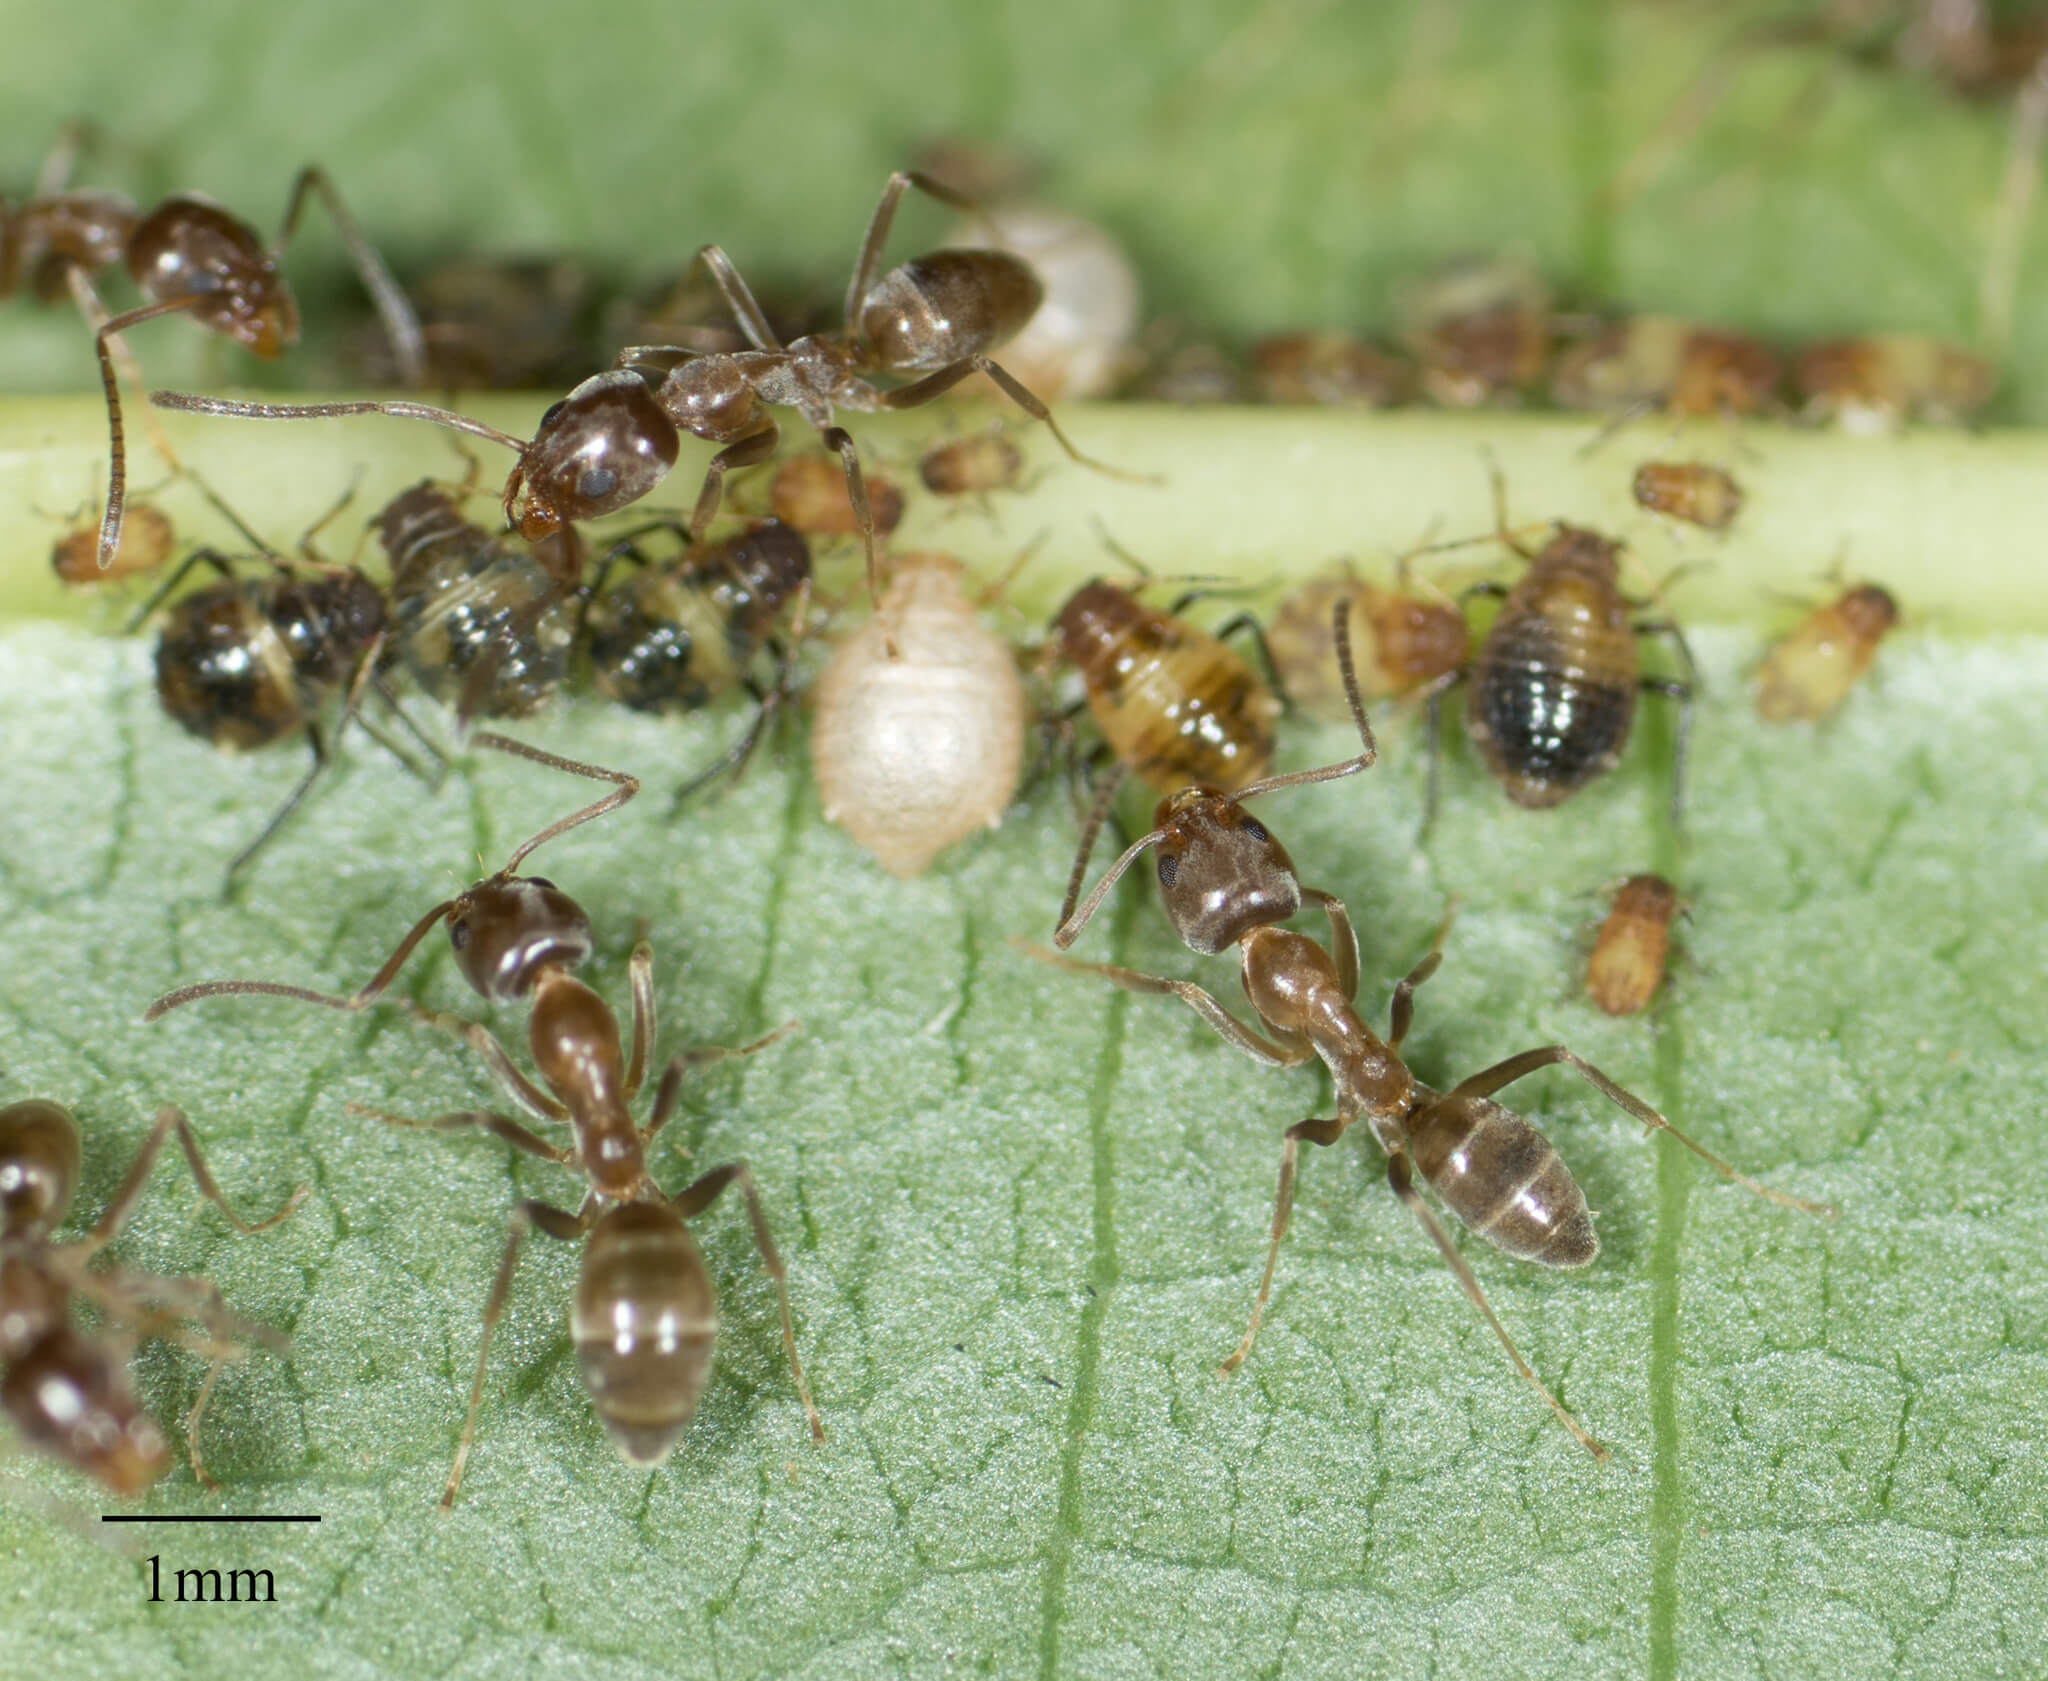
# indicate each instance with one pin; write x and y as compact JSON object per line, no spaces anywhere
{"x":1024,"y":1215}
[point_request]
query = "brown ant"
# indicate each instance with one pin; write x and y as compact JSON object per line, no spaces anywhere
{"x":645,"y":1313}
{"x":66,"y":1388}
{"x":614,"y":437}
{"x":188,"y":255}
{"x":1225,"y":880}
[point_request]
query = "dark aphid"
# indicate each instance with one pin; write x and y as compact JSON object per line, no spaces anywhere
{"x":1225,"y":880}
{"x":187,"y":256}
{"x":1875,"y":385}
{"x":479,"y":619}
{"x":1329,"y":370}
{"x":65,"y":1386}
{"x":1693,"y":491}
{"x":1810,"y":672}
{"x":645,"y":1312}
{"x":1627,"y":964}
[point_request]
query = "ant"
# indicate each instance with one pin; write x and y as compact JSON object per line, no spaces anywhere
{"x":66,"y":1388}
{"x":614,"y":437}
{"x":187,"y":256}
{"x":1225,"y":880}
{"x":645,"y":1313}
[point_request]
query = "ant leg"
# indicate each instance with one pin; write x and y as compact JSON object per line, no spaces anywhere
{"x":62,"y":158}
{"x":693,"y":1200}
{"x":936,"y":385}
{"x":870,"y":259}
{"x":640,"y":971}
{"x":557,"y":1223}
{"x":745,"y":452}
{"x":1316,"y":1132}
{"x":117,"y":466}
{"x":192,"y":1418}
{"x":169,"y":1120}
{"x":1283,"y":1050}
{"x":1343,"y":937}
{"x":1433,"y":702}
{"x":480,"y":1039}
{"x":838,"y":438}
{"x":739,"y":298}
{"x":1401,"y":1016}
{"x":394,"y":308}
{"x":500,"y":1127}
{"x":1402,"y":1179}
{"x":1097,"y":813}
{"x":703,"y":1056}
{"x":1490,"y":1080}
{"x":198,"y":557}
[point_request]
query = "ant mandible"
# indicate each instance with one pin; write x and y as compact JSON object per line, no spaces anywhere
{"x":614,"y":437}
{"x":1225,"y":880}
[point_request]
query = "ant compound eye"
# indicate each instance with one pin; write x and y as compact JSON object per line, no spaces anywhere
{"x":1169,"y":867}
{"x":458,"y":934}
{"x":597,"y":483}
{"x":554,"y":414}
{"x":1257,"y":830}
{"x":541,"y":881}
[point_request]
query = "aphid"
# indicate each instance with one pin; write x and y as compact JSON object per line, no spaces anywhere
{"x":613,"y":438}
{"x":976,"y":465}
{"x":1225,"y":880}
{"x":1693,"y":491}
{"x":66,"y":1386}
{"x":1659,"y":361}
{"x":680,"y":633}
{"x":1078,"y":342}
{"x":1554,"y":683}
{"x":1175,"y":704}
{"x":809,"y":495}
{"x":1870,"y":386}
{"x":251,"y":660}
{"x":645,"y":1314}
{"x":1193,"y":375}
{"x":478,"y":618}
{"x":147,"y":538}
{"x":1405,"y":643}
{"x":920,"y":749}
{"x":1480,"y":330}
{"x":1810,"y":672}
{"x":1627,"y":964}
{"x":1331,"y":370}
{"x":497,"y":324}
{"x":188,"y":255}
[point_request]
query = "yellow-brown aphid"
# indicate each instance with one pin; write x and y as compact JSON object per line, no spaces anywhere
{"x":809,"y":495}
{"x":1480,"y":330}
{"x":1176,"y":706}
{"x":1689,"y":490}
{"x":1627,"y":965}
{"x":1330,"y":370}
{"x":1680,"y":367}
{"x":971,"y":466}
{"x":1876,"y":384}
{"x":1809,"y":672}
{"x":1401,"y":643}
{"x":146,"y":543}
{"x":918,"y":737}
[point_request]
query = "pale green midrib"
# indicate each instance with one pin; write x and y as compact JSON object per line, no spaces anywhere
{"x":1104,"y":1269}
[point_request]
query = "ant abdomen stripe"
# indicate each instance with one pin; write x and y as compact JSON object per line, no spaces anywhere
{"x":1505,"y":1180}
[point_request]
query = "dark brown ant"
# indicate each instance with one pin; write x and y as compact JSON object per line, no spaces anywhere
{"x":1225,"y":880}
{"x":66,"y":1388}
{"x":1175,"y":704}
{"x":680,"y":633}
{"x":613,"y":438}
{"x":1554,"y":684}
{"x":188,"y":255}
{"x":645,"y":1314}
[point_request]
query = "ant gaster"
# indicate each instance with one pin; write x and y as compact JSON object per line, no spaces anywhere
{"x":1225,"y":880}
{"x":186,"y":256}
{"x":645,"y":1313}
{"x":66,"y":1388}
{"x":614,"y":437}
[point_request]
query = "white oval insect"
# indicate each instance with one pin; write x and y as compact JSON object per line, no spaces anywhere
{"x":916,"y":752}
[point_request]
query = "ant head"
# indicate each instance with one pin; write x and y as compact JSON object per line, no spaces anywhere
{"x":507,"y":929}
{"x":188,"y":248}
{"x":38,"y":1165}
{"x":1221,"y":872}
{"x":600,"y":449}
{"x":70,"y":1396}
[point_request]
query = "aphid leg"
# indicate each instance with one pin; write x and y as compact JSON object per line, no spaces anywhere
{"x":557,"y":1223}
{"x":1433,"y":733}
{"x":480,"y":1039}
{"x":1490,"y":1080}
{"x":1283,"y":1050}
{"x":401,"y":321}
{"x":1244,"y":624}
{"x":1402,"y":1179}
{"x":1316,"y":1132}
{"x":766,"y":707}
{"x":1682,"y":690}
{"x":693,"y":1200}
{"x":192,"y":1418}
{"x":198,"y":557}
{"x":168,"y":1121}
{"x":501,"y":1127}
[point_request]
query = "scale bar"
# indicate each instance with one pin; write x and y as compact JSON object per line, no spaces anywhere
{"x":177,"y":1518}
